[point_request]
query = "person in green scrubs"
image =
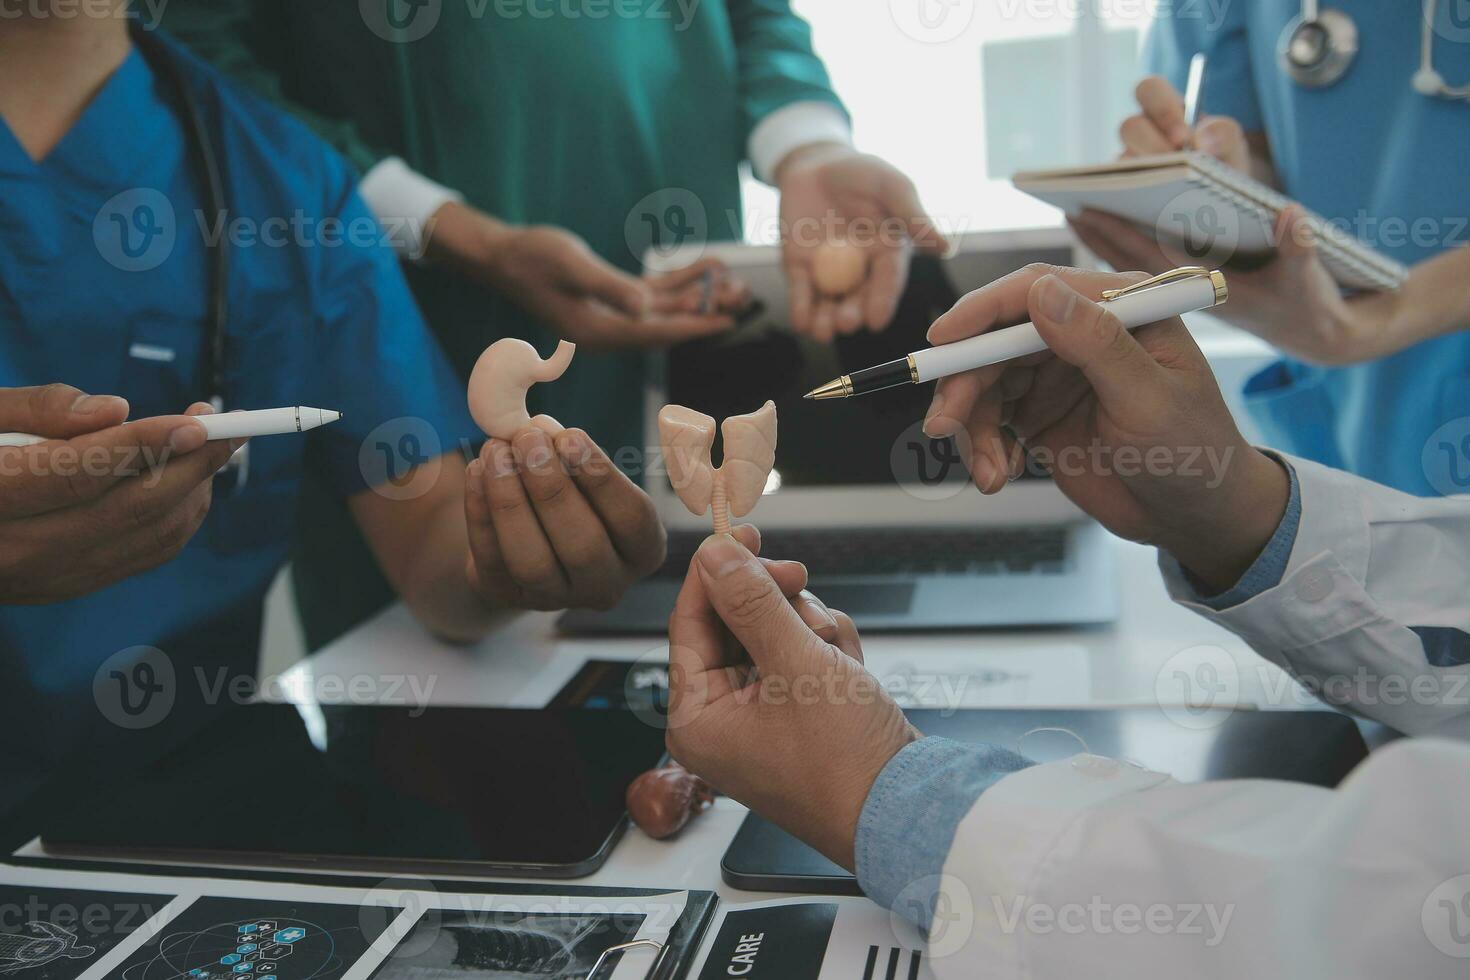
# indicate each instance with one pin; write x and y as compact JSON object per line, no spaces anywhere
{"x":523,"y":155}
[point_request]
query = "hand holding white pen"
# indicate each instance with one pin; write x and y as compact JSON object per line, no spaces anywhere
{"x":1133,"y":304}
{"x":1131,"y":425}
{"x":230,"y":425}
{"x":97,"y":501}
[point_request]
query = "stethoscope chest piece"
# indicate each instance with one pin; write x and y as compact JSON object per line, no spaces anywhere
{"x":1317,"y":51}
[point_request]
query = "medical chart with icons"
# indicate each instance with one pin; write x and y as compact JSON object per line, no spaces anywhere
{"x":241,"y":939}
{"x":360,"y":929}
{"x":58,"y":933}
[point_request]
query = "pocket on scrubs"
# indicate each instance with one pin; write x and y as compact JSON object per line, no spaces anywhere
{"x":161,"y":366}
{"x":1290,"y":404}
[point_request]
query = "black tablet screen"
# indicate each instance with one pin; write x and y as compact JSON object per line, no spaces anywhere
{"x":538,"y":790}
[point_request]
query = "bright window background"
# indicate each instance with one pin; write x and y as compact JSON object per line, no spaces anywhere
{"x":960,"y":94}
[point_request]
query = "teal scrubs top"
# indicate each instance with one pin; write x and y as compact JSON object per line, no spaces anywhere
{"x":625,"y":123}
{"x":119,"y":307}
{"x":1379,"y":157}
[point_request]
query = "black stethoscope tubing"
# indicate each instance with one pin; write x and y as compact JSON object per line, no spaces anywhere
{"x":207,"y":171}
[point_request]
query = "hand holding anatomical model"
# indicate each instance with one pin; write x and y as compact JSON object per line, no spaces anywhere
{"x":664,"y":800}
{"x":735,"y":488}
{"x":500,"y":380}
{"x":552,"y":523}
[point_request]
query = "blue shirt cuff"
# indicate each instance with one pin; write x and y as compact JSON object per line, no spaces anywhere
{"x":1267,"y":571}
{"x":909,"y":821}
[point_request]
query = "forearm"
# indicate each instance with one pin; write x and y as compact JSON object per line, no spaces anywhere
{"x":1433,"y":301}
{"x":467,"y":241}
{"x":435,"y":583}
{"x":422,"y":545}
{"x":909,"y":821}
{"x":1221,"y":538}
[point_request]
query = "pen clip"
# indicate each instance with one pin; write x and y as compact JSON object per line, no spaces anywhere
{"x":1173,"y":275}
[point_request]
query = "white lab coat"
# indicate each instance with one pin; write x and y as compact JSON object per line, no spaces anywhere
{"x":1090,"y":868}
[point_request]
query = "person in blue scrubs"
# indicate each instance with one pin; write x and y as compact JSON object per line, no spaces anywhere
{"x":131,"y":576}
{"x":1377,"y":384}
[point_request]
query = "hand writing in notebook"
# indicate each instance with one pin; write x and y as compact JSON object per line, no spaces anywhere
{"x":1160,"y":126}
{"x":1292,"y":302}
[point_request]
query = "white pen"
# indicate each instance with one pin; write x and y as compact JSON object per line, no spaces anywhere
{"x":231,"y":425}
{"x":1193,"y":90}
{"x":1171,"y":294}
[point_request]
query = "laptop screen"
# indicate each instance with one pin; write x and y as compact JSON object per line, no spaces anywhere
{"x":874,"y":440}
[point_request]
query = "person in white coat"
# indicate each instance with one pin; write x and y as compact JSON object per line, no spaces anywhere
{"x":1090,"y":866}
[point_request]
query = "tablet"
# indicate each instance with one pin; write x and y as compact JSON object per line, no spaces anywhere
{"x":437,"y":789}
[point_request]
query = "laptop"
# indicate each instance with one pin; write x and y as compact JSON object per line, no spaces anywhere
{"x":886,"y":520}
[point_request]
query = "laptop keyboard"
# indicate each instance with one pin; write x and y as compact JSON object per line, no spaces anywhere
{"x":902,"y":551}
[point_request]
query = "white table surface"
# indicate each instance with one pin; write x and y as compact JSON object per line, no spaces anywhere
{"x":1137,"y":661}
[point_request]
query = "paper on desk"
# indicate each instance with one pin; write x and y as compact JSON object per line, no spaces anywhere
{"x":74,"y":925}
{"x":941,"y":676}
{"x":824,"y":939}
{"x":1051,"y":676}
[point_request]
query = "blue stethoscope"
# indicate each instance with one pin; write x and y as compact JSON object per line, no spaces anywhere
{"x":1319,"y":46}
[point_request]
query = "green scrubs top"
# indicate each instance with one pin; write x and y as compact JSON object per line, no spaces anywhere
{"x":624,"y":121}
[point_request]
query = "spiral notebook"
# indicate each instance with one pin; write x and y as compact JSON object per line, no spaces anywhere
{"x":1211,"y":208}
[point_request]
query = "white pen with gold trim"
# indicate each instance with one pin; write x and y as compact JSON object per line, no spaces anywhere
{"x":1171,"y":294}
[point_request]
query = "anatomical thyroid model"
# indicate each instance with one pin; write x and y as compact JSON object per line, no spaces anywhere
{"x":500,"y":380}
{"x":749,"y":452}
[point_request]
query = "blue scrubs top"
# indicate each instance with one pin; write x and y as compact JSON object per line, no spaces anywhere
{"x":329,"y":324}
{"x":1388,"y":163}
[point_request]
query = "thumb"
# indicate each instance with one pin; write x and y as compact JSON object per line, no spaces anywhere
{"x":752,"y":606}
{"x":900,"y":197}
{"x":1087,"y":336}
{"x":1224,"y":139}
{"x":614,"y":287}
{"x":58,"y":411}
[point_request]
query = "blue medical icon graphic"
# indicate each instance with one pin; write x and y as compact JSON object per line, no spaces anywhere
{"x":207,"y":942}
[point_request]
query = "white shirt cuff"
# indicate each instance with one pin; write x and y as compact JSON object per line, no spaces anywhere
{"x":404,"y":200}
{"x":791,"y":126}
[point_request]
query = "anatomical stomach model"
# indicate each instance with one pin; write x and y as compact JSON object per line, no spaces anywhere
{"x":500,"y":380}
{"x":749,"y":452}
